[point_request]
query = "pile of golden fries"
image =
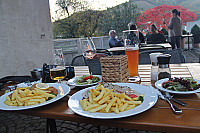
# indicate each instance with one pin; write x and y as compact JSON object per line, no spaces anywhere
{"x":26,"y":97}
{"x":106,"y":101}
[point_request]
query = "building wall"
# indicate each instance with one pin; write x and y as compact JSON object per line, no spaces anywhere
{"x":25,"y":36}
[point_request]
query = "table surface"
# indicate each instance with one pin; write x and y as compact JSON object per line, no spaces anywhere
{"x":144,"y":47}
{"x":190,"y":35}
{"x":159,"y":118}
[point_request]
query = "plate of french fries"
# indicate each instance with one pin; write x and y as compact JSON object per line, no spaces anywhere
{"x":31,"y":97}
{"x":103,"y":103}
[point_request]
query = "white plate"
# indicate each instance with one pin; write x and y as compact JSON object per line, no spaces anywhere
{"x":63,"y":90}
{"x":158,"y":84}
{"x":73,"y":81}
{"x":150,"y":98}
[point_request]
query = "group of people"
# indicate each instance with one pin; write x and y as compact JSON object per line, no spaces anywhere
{"x":114,"y":42}
{"x":156,"y":36}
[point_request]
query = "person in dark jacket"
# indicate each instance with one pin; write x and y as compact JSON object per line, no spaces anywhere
{"x":155,"y":37}
{"x":132,"y":35}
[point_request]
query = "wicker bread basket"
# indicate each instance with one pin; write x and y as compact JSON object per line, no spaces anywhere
{"x":114,"y":69}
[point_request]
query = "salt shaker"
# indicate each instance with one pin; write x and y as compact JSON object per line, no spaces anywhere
{"x":154,"y":67}
{"x":163,"y":69}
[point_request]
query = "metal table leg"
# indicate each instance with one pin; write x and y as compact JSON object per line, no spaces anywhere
{"x":188,"y":43}
{"x":51,"y":124}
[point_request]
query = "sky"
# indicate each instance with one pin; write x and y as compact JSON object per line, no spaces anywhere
{"x":96,"y":4}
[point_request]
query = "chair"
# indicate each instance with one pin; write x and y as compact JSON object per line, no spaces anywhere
{"x":79,"y":60}
{"x":176,"y":56}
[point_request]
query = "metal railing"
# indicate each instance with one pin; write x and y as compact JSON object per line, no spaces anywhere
{"x":72,"y":46}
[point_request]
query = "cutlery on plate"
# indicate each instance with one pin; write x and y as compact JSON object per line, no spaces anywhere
{"x":175,"y":100}
{"x":175,"y":109}
{"x":71,"y":83}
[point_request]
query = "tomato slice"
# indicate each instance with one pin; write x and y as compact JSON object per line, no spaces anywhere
{"x":167,"y":82}
{"x":88,"y":77}
{"x":132,"y":96}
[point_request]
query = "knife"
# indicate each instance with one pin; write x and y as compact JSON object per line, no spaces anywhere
{"x":175,"y":100}
{"x":175,"y":109}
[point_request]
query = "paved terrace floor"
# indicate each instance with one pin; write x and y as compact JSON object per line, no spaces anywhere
{"x":15,"y":123}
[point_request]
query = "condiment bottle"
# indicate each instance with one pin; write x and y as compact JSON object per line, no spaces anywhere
{"x":163,"y":69}
{"x":46,"y":74}
{"x":154,"y":67}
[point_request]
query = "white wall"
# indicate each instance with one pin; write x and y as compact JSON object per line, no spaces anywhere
{"x":25,"y":36}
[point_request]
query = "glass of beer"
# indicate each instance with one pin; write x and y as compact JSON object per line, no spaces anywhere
{"x":58,"y":73}
{"x":132,"y":51}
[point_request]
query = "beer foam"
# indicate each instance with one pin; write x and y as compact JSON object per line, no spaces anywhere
{"x":132,"y":48}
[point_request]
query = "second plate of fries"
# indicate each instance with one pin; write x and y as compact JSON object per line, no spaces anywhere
{"x":24,"y":98}
{"x":103,"y":103}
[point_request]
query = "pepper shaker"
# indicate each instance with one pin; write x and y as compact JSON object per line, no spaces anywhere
{"x":164,"y":70}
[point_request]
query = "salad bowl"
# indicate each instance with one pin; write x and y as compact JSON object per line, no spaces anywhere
{"x":159,"y":84}
{"x":79,"y":82}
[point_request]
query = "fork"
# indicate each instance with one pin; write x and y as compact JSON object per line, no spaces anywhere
{"x":175,"y":100}
{"x":175,"y":109}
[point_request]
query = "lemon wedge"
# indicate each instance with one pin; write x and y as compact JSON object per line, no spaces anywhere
{"x":42,"y":86}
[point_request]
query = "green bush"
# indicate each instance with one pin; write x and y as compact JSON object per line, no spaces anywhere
{"x":195,"y":29}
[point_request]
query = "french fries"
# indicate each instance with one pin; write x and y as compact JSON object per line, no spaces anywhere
{"x":105,"y":101}
{"x":26,"y":97}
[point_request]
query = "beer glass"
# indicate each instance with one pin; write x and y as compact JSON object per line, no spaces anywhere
{"x":58,"y":73}
{"x":131,"y":44}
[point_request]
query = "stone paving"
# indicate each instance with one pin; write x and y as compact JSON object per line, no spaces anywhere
{"x":16,"y":123}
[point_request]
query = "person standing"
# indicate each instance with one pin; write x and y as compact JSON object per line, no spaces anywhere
{"x":113,"y":42}
{"x":175,"y":29}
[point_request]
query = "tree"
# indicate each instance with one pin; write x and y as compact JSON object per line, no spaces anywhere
{"x":70,"y":5}
{"x":159,"y":13}
{"x":118,"y":17}
{"x":84,"y":23}
{"x":195,"y":29}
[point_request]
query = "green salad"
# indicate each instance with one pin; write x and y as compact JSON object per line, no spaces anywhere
{"x":87,"y":79}
{"x":181,"y":84}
